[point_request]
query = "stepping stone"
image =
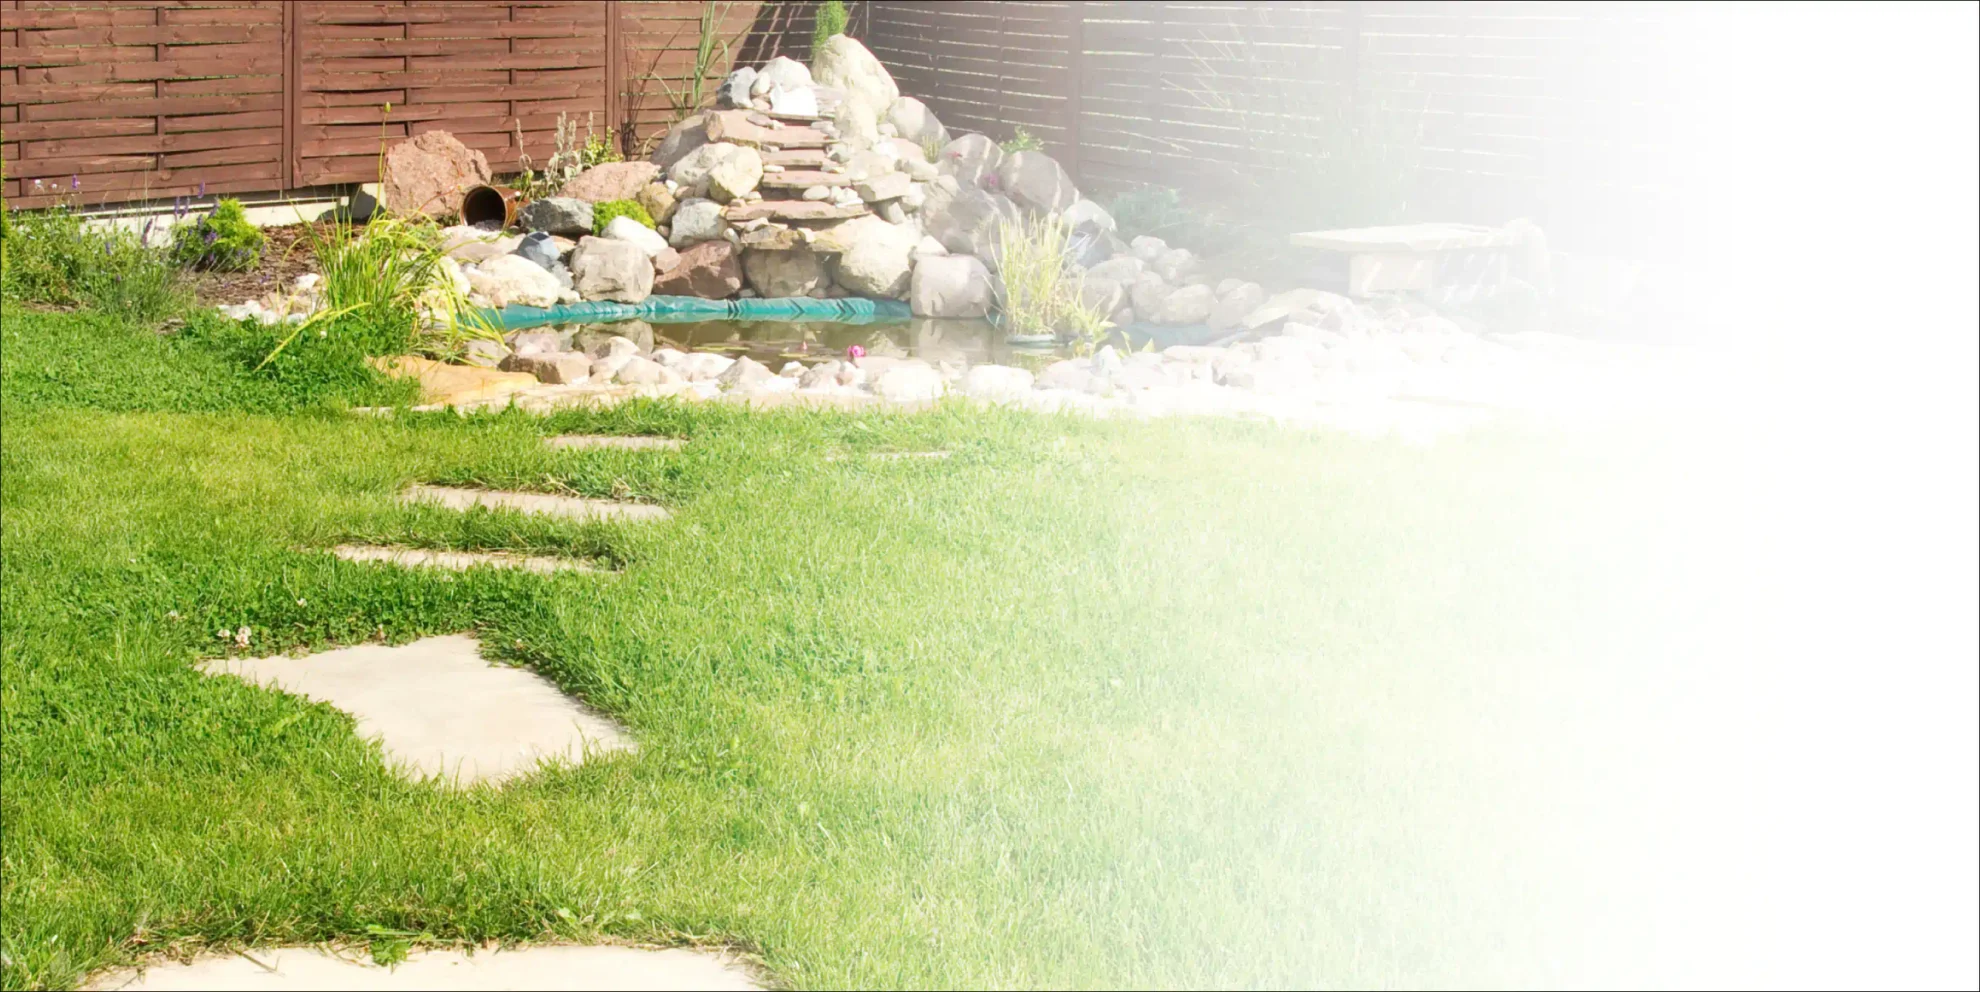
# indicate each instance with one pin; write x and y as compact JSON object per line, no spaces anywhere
{"x":792,"y":210}
{"x":894,"y":456}
{"x":603,"y":968}
{"x":797,"y":158}
{"x":459,"y":561}
{"x":438,"y":708}
{"x":804,"y":179}
{"x":460,"y":498}
{"x":637,"y":442}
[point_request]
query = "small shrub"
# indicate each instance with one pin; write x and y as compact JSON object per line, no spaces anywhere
{"x":831,"y":20}
{"x":53,"y":257}
{"x":222,"y":240}
{"x":602,"y":213}
{"x":1022,"y":141}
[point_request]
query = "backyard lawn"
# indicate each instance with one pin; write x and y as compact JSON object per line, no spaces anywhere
{"x":1183,"y":703}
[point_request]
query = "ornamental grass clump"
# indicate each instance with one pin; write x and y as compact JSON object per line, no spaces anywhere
{"x":395,"y":283}
{"x":1038,"y":285}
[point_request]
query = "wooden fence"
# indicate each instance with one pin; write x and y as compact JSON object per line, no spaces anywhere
{"x":104,"y":102}
{"x":1497,"y":109}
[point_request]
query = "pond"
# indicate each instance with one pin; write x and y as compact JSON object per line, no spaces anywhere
{"x":774,"y":342}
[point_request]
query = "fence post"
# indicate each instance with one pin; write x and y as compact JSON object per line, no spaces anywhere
{"x":291,"y":90}
{"x":1076,"y":53}
{"x":615,"y":82}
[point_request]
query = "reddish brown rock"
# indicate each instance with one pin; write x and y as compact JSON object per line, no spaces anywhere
{"x":708,"y":270}
{"x":611,"y":181}
{"x":735,"y":127}
{"x":737,"y":213}
{"x":428,"y":174}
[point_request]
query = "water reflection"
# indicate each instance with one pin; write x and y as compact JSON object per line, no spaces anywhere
{"x":971,"y":342}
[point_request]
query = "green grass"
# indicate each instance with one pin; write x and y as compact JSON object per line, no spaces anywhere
{"x":1197,"y":704}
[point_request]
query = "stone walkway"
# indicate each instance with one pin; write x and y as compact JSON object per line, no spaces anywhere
{"x":459,"y":561}
{"x":626,"y":442}
{"x":438,"y":708}
{"x":572,"y":507}
{"x":575,"y":968}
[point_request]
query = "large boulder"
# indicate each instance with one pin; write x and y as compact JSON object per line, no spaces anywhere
{"x":428,"y":175}
{"x":560,"y":215}
{"x":1233,"y":306}
{"x":540,"y":249}
{"x":691,"y":133}
{"x":1101,"y":294}
{"x":969,"y":158}
{"x":1188,"y":305}
{"x":845,"y":64}
{"x":610,"y":181}
{"x":776,"y":274}
{"x":605,"y":269}
{"x":1124,"y":269}
{"x":736,"y":175}
{"x":708,"y":270}
{"x":1035,"y":180}
{"x":1085,"y":213}
{"x":879,"y":260}
{"x":658,"y":201}
{"x":964,"y":218}
{"x":858,"y":120}
{"x":950,"y":286}
{"x":696,"y":169}
{"x":916,"y":124}
{"x":734,"y":90}
{"x":695,"y":221}
{"x":785,"y":73}
{"x":995,"y":383}
{"x":632,"y":231}
{"x":512,"y":279}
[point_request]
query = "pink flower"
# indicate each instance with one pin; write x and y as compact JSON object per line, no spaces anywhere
{"x":854,"y":351}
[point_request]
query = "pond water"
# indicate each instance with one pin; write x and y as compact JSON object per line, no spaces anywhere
{"x":774,"y":342}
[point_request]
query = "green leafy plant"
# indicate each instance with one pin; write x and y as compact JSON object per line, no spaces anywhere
{"x":602,"y":213}
{"x":222,"y":240}
{"x":1038,"y":288}
{"x":1022,"y":140}
{"x":831,"y":20}
{"x":55,"y":258}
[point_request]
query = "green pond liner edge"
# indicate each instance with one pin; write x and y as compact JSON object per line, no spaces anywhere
{"x":689,"y":309}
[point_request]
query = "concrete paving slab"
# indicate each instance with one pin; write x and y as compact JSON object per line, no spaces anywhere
{"x":459,"y":561}
{"x":460,"y":498}
{"x":629,"y":443}
{"x":438,"y":708}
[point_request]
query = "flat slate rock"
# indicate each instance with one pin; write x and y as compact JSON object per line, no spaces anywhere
{"x":438,"y":708}
{"x":773,"y":239}
{"x":458,"y":498}
{"x":804,"y":179}
{"x":797,"y":158}
{"x":792,"y":210}
{"x":633,"y":442}
{"x":458,"y":561}
{"x":735,"y":127}
{"x":608,"y":969}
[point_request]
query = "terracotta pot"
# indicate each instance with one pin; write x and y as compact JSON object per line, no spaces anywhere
{"x":484,"y":203}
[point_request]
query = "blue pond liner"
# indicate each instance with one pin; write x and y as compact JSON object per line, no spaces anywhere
{"x":689,"y":309}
